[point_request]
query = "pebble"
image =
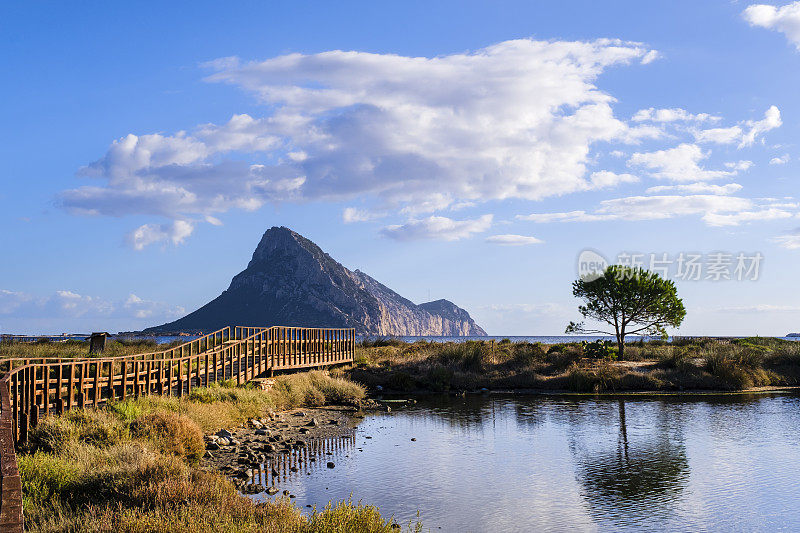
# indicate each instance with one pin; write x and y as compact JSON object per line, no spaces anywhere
{"x":272,"y":491}
{"x":331,"y":464}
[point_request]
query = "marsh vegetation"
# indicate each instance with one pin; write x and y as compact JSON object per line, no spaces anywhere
{"x":701,"y":364}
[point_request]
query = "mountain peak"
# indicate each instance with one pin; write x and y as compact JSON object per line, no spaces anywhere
{"x":291,"y":281}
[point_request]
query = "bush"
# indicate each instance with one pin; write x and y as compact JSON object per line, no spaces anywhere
{"x":527,"y":354}
{"x":172,"y":433}
{"x":599,"y":349}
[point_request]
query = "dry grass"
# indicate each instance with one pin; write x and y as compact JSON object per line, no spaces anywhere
{"x":130,"y":466}
{"x":649,"y":366}
{"x":77,"y":348}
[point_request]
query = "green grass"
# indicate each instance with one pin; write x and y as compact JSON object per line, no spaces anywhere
{"x":132,"y":466}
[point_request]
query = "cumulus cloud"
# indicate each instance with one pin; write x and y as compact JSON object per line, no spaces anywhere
{"x":606,"y":179}
{"x":436,"y":227}
{"x":782,"y":160}
{"x":681,"y":163}
{"x":518,"y":119}
{"x":715,"y":210}
{"x":785,"y":19}
{"x":790,"y":240}
{"x":175,"y":233}
{"x":513,"y":240}
{"x":745,"y":133}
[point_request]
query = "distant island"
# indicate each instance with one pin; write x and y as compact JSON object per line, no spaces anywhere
{"x":793,"y":335}
{"x":290,"y":281}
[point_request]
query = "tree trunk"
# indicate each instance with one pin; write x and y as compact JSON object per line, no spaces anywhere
{"x":620,"y":348}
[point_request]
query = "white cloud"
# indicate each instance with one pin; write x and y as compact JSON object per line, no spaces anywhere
{"x":785,"y":19}
{"x":681,"y":163}
{"x":782,"y":160}
{"x":715,"y":210}
{"x":67,"y":304}
{"x":353,"y":214}
{"x":674,"y":114}
{"x":771,"y":120}
{"x":148,"y":234}
{"x":745,"y":133}
{"x":436,"y":227}
{"x":518,"y":119}
{"x":605,"y":179}
{"x":734,"y":219}
{"x":697,"y":188}
{"x":513,"y":240}
{"x":790,"y":241}
{"x":719,"y":135}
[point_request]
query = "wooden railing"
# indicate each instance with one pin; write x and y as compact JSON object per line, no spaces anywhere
{"x":32,"y":388}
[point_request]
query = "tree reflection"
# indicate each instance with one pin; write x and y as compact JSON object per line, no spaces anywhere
{"x":638,"y":476}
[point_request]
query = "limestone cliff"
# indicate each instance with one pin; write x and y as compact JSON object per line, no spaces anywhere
{"x":290,"y":281}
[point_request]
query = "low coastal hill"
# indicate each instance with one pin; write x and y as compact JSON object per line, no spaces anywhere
{"x":290,"y":281}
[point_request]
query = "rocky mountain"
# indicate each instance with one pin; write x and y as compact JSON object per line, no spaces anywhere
{"x":290,"y":281}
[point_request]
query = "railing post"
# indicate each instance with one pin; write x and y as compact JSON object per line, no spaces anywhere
{"x":71,"y":387}
{"x":124,"y":369}
{"x":97,"y":371}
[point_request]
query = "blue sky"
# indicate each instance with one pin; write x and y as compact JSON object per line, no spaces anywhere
{"x":460,"y":150}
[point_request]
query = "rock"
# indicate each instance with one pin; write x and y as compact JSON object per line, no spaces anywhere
{"x":253,"y":488}
{"x":314,"y":422}
{"x":301,"y":413}
{"x":300,"y":443}
{"x":334,"y":422}
{"x":304,"y":430}
{"x":261,"y":432}
{"x":288,"y":271}
{"x":414,"y":440}
{"x":272,"y":491}
{"x":224,"y":433}
{"x":294,"y":469}
{"x":285,"y":492}
{"x":255,"y":424}
{"x":212,"y":446}
{"x":331,"y":464}
{"x":223,"y":442}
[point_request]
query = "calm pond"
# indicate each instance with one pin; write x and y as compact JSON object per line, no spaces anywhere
{"x":548,"y":463}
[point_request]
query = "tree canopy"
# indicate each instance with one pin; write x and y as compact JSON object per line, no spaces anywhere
{"x":630,"y":300}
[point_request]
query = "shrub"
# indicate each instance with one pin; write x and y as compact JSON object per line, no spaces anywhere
{"x":172,"y":433}
{"x":45,"y":476}
{"x":527,"y":354}
{"x":599,"y":349}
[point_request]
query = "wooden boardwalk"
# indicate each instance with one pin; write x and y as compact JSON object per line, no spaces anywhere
{"x":33,"y":388}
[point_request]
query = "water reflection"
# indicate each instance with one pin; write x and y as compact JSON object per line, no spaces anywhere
{"x":303,"y":461}
{"x":636,"y":478}
{"x":538,"y":463}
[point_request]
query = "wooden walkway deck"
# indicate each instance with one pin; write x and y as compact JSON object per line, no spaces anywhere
{"x":33,"y":388}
